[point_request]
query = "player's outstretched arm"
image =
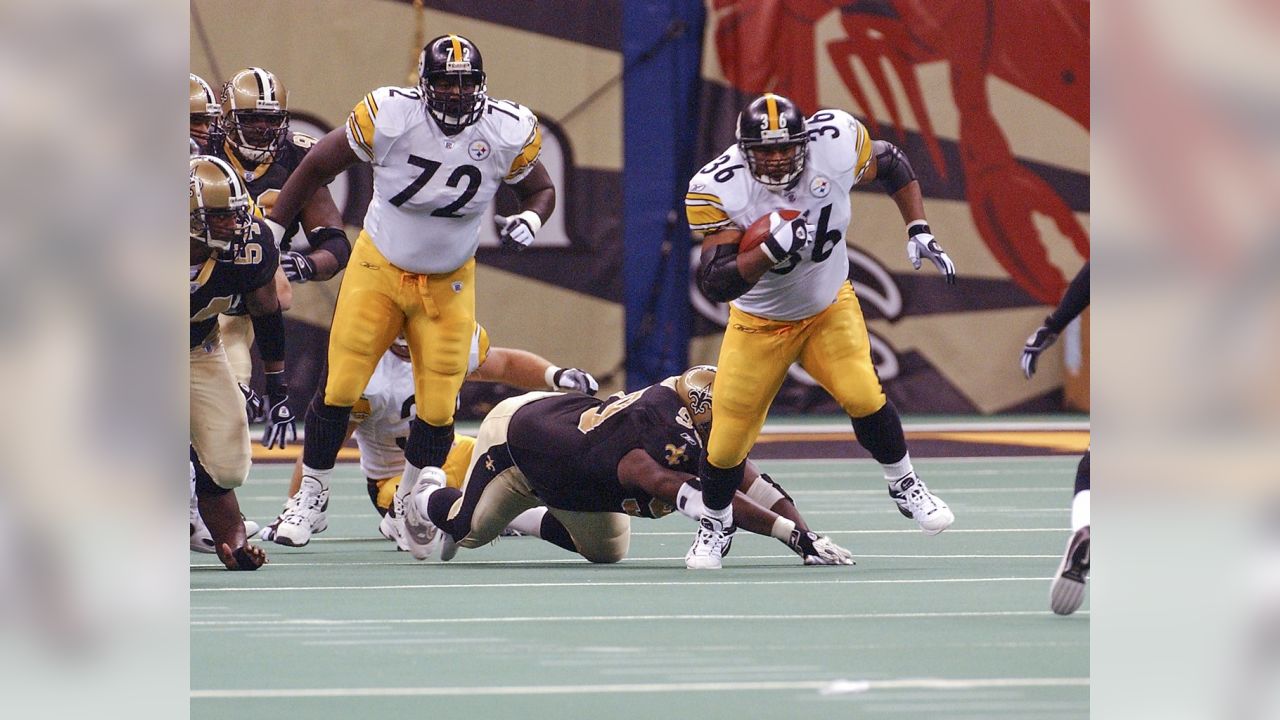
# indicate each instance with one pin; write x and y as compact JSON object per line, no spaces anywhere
{"x":530,"y":371}
{"x":329,"y":157}
{"x":891,"y":168}
{"x":537,"y":197}
{"x":268,"y":329}
{"x":330,"y":248}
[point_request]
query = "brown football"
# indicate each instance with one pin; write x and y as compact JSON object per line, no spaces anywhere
{"x":759,"y":230}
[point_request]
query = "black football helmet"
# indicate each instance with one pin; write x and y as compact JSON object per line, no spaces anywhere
{"x":451,"y":77}
{"x":769,"y":125}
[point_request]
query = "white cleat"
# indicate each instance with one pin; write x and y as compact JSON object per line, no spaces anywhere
{"x":420,"y":534}
{"x":391,"y":527}
{"x":710,"y":545}
{"x":915,"y":501}
{"x":251,"y":528}
{"x":303,"y":516}
{"x":1066,"y":593}
{"x":201,"y":538}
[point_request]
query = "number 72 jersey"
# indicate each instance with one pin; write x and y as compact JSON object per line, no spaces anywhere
{"x":430,"y":190}
{"x":723,"y":194}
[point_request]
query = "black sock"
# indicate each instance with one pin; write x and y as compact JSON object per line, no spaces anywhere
{"x":1082,"y":474}
{"x":720,"y":484}
{"x":438,"y":510}
{"x":428,"y":445}
{"x":881,"y":434}
{"x":554,"y":532}
{"x":326,"y":430}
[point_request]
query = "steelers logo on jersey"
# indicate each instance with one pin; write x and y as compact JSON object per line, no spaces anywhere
{"x":479,"y":150}
{"x":820,"y":187}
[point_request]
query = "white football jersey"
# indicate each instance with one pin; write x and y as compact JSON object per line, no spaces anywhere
{"x":430,"y":190}
{"x":386,"y":406}
{"x":724,"y":194}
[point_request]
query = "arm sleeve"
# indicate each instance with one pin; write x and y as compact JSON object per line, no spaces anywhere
{"x":1073,"y":303}
{"x":360,"y":127}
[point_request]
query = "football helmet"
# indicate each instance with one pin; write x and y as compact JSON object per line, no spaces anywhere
{"x":255,"y":114}
{"x":694,"y":389}
{"x":772,"y":137}
{"x":451,"y":77}
{"x":205,"y":111}
{"x":221,"y":212}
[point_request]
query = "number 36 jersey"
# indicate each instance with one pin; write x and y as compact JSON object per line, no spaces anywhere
{"x":430,"y":190}
{"x":723,"y":194}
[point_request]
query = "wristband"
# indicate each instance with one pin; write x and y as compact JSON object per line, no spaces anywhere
{"x":550,"y":377}
{"x":531,"y":217}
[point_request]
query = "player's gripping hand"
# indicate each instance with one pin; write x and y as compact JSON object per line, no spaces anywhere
{"x":818,"y":550}
{"x":921,"y":243}
{"x":246,"y":557}
{"x":298,"y":268}
{"x":254,"y":405}
{"x":281,"y":424}
{"x":787,"y":237}
{"x":516,"y":232}
{"x":572,"y":379}
{"x":1039,"y":341}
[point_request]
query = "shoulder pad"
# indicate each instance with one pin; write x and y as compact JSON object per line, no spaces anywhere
{"x":717,"y":192}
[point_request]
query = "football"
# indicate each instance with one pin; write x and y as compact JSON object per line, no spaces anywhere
{"x":759,"y":229}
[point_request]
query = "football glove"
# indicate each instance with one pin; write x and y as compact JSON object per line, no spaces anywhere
{"x":1039,"y":341}
{"x":574,"y":379}
{"x":298,"y":268}
{"x":921,"y":243}
{"x":818,"y":550}
{"x":787,"y":239}
{"x":254,"y":405}
{"x":281,"y":424}
{"x":516,"y":232}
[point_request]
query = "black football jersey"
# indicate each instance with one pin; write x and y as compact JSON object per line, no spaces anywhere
{"x":217,"y":285}
{"x":569,"y":447}
{"x":265,"y":181}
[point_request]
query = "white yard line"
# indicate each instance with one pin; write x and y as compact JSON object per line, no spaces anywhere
{"x":825,"y":687}
{"x":617,"y":583}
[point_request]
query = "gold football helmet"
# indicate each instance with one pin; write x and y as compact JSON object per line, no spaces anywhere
{"x":255,"y":114}
{"x":221,"y":212}
{"x":205,"y":111}
{"x":694,"y":389}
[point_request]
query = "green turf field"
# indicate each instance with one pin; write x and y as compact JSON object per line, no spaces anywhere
{"x":954,"y":626}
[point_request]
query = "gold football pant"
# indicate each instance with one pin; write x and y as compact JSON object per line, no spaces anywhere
{"x":832,"y":346}
{"x":219,"y":429}
{"x":378,"y":299}
{"x":494,"y":500}
{"x":237,"y":338}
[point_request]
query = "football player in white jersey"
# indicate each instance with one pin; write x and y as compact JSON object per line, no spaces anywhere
{"x":380,"y":423}
{"x":439,"y":152}
{"x":790,"y":296}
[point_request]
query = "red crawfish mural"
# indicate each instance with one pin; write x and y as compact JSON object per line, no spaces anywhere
{"x":1041,"y":47}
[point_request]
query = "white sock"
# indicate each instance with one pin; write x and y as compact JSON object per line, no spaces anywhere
{"x":1080,"y":510}
{"x":896,"y":471}
{"x":321,"y":476}
{"x":724,"y":515}
{"x":410,"y":476}
{"x":529,"y":522}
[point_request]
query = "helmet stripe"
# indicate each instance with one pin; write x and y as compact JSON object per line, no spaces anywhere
{"x":457,"y":48}
{"x":261,"y":78}
{"x":772,"y":104}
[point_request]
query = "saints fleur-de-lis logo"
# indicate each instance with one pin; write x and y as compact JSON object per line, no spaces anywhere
{"x":488,"y":463}
{"x":675,"y":455}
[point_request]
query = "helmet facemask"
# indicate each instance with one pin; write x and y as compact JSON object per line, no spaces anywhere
{"x":220,"y":209}
{"x":774,"y":140}
{"x":452,"y":80}
{"x":257,"y":134}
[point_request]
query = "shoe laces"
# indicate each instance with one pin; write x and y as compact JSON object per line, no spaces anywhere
{"x":304,"y":504}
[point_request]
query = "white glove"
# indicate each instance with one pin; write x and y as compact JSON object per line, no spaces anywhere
{"x":571,"y":379}
{"x":516,"y":232}
{"x":1039,"y":341}
{"x":786,"y":237}
{"x":277,"y":231}
{"x":922,"y":243}
{"x":818,"y":550}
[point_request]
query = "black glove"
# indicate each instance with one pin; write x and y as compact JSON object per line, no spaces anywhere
{"x":1039,"y":341}
{"x":574,"y":379}
{"x":298,"y":268}
{"x":254,"y":405}
{"x":280,"y":421}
